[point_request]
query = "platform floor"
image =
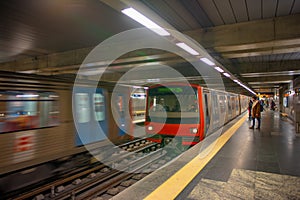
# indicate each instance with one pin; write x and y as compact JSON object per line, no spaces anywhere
{"x":253,"y":164}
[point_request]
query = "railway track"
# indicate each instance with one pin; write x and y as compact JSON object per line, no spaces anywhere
{"x":129,"y":163}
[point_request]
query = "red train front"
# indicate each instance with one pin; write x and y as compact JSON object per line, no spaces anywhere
{"x":174,"y":112}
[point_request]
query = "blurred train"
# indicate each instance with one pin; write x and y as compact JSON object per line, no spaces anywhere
{"x":38,"y":138}
{"x":187,"y":113}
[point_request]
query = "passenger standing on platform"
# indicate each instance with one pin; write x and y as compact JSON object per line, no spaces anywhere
{"x":273,"y":105}
{"x":255,"y":112}
{"x":250,"y":108}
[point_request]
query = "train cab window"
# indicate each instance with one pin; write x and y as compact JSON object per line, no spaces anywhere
{"x":179,"y":104}
{"x":23,"y":110}
{"x":82,"y":107}
{"x":99,"y":110}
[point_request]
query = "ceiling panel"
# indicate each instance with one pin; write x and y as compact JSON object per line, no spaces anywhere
{"x":240,"y":10}
{"x":259,"y":59}
{"x":183,"y":13}
{"x":278,"y":57}
{"x":226,"y":11}
{"x":296,"y":7}
{"x":254,"y":9}
{"x":284,"y":7}
{"x":269,"y":8}
{"x":177,"y":18}
{"x":265,"y":58}
{"x":211,"y":10}
{"x":197,"y":11}
{"x":56,"y":26}
{"x":286,"y":56}
{"x":294,"y":56}
{"x":253,"y":59}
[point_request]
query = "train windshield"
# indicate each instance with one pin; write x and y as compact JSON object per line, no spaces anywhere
{"x":173,"y":105}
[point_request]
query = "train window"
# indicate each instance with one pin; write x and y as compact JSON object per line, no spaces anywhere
{"x":82,"y":107}
{"x":216,"y":105}
{"x":99,"y":107}
{"x":207,"y":111}
{"x":228,"y":103}
{"x":232,"y":102}
{"x":237,"y":104}
{"x":138,"y":105}
{"x":49,"y":111}
{"x":22,"y":110}
{"x":222,"y":103}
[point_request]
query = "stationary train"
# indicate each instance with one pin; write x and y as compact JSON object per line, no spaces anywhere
{"x":187,"y":113}
{"x":38,"y":138}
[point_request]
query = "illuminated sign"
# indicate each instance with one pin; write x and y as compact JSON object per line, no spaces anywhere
{"x":170,"y":89}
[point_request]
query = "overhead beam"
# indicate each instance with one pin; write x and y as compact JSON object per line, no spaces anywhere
{"x":256,"y":45}
{"x":263,"y":67}
{"x":261,"y":37}
{"x":271,"y":80}
{"x":258,"y":52}
{"x":248,"y":33}
{"x":70,"y":61}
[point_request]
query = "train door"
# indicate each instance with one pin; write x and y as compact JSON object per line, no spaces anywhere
{"x":121,"y":114}
{"x":91,"y":124}
{"x":232,"y":101}
{"x":122,"y":111}
{"x":207,"y":110}
{"x":229,"y":108}
{"x":99,"y":123}
{"x":222,"y":107}
{"x":237,"y":105}
{"x":215,"y":111}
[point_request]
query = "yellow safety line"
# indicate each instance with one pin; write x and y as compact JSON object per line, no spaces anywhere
{"x":171,"y":188}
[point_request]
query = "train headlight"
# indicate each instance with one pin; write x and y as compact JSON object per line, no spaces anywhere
{"x":150,"y":128}
{"x":194,"y":130}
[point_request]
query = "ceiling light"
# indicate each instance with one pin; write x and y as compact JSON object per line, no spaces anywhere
{"x":187,"y":48}
{"x":244,"y":86}
{"x":219,"y":69}
{"x":238,"y":82}
{"x":226,"y":74}
{"x":27,"y":95}
{"x":137,"y":16}
{"x":207,"y":61}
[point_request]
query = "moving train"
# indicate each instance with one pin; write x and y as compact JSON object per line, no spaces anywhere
{"x":38,"y":138}
{"x":186,"y":113}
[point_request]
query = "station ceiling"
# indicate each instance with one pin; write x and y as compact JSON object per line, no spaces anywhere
{"x":255,"y":41}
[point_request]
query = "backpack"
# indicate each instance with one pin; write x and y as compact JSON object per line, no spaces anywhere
{"x":261,"y":106}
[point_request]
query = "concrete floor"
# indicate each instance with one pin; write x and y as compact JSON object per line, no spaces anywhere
{"x":253,"y":164}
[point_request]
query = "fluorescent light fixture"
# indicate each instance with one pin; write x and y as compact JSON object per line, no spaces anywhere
{"x":226,"y":74}
{"x":28,"y":71}
{"x":153,"y":80}
{"x":187,"y":48}
{"x":27,"y":95}
{"x":140,"y":18}
{"x":244,"y":86}
{"x":207,"y":61}
{"x":219,"y":69}
{"x":238,"y":82}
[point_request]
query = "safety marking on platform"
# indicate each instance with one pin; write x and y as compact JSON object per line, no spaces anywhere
{"x":171,"y":188}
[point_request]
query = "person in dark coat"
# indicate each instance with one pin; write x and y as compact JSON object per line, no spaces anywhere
{"x":255,"y":112}
{"x":250,"y":108}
